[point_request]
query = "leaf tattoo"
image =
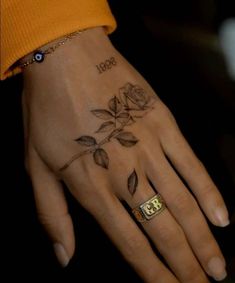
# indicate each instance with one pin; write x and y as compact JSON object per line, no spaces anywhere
{"x":101,"y":158}
{"x":102,"y":114}
{"x":86,"y":140}
{"x":106,"y":127}
{"x":123,"y":117}
{"x":126,"y":139}
{"x":114,"y":133}
{"x":115,"y":105}
{"x":131,"y":103}
{"x":132,"y":182}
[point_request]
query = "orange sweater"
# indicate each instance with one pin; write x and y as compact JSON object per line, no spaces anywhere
{"x":28,"y":24}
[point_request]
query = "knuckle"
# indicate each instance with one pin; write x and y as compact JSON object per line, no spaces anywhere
{"x":89,"y":193}
{"x":134,"y":248}
{"x":206,"y":184}
{"x":183,"y":203}
{"x":91,"y":200}
{"x":194,"y":274}
{"x":168,"y":117}
{"x":45,"y":219}
{"x":207,"y":245}
{"x":154,"y":274}
{"x":164,"y":110}
{"x":97,"y":202}
{"x":207,"y":189}
{"x":171,"y":237}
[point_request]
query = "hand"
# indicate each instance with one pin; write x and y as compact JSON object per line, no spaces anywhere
{"x":93,"y":122}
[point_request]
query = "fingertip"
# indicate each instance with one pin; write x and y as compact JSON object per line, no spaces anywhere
{"x":63,"y":239}
{"x":60,"y":231}
{"x":61,"y":254}
{"x":221,"y":217}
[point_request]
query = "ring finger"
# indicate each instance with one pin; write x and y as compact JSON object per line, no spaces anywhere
{"x":167,"y":236}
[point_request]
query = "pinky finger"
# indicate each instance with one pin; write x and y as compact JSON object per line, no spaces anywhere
{"x":52,"y":208}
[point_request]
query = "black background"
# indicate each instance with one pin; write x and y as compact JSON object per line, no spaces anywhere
{"x":189,"y":77}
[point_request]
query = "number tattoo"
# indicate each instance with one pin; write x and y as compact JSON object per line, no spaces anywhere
{"x":132,"y":103}
{"x":106,"y":65}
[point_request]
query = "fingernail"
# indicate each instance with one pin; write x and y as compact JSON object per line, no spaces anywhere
{"x":61,"y":254}
{"x":217,"y":268}
{"x":222,"y":217}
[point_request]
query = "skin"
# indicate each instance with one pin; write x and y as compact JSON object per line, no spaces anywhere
{"x":58,"y":97}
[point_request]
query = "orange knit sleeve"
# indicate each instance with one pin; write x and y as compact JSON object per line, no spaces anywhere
{"x":28,"y":24}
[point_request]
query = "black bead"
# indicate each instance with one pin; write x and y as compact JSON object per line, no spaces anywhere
{"x":39,"y":56}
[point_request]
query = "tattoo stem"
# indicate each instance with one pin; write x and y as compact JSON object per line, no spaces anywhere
{"x":105,"y":140}
{"x":115,"y":120}
{"x":76,"y":156}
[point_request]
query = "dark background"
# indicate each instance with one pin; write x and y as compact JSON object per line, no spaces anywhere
{"x":174,"y":45}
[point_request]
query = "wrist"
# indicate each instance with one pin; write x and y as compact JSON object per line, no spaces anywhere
{"x":88,"y":44}
{"x":39,"y":54}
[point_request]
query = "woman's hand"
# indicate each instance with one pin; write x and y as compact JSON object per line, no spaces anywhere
{"x":93,"y":122}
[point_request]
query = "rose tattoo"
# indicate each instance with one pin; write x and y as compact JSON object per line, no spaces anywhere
{"x":121,"y":112}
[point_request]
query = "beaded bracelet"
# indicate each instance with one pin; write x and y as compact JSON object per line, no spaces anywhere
{"x":39,"y":55}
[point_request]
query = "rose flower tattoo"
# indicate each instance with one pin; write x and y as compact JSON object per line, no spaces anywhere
{"x":131,"y":103}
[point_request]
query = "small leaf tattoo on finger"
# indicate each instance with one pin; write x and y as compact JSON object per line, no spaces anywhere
{"x":132,"y":182}
{"x":131,"y":103}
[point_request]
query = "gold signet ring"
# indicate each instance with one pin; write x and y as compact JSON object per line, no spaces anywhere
{"x":149,"y":208}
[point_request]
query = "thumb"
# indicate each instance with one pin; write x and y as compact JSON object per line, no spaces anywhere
{"x":52,"y":208}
